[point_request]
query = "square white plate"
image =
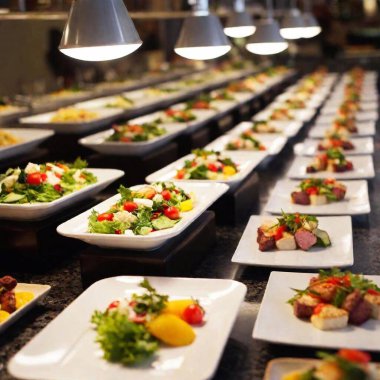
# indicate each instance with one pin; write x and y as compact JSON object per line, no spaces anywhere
{"x":246,"y":161}
{"x":288,"y":128}
{"x":205,"y":196}
{"x":356,"y":201}
{"x":368,"y":128}
{"x":273,"y":143}
{"x":276,"y":322}
{"x":66,"y":348}
{"x":360,"y":116}
{"x":332,"y":109}
{"x":303,"y":115}
{"x":363,"y":169}
{"x":105,"y":116}
{"x":30,"y":138}
{"x":362,"y":146}
{"x":339,"y":254}
{"x":39,"y":291}
{"x":34,"y":211}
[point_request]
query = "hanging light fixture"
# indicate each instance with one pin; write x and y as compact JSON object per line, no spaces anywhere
{"x":239,"y":23}
{"x":312,"y":27}
{"x":202,"y":35}
{"x":292,"y":26}
{"x":99,"y":30}
{"x":267,"y":39}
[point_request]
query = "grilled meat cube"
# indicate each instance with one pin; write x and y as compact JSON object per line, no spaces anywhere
{"x":300,"y":197}
{"x":359,"y":310}
{"x":8,"y":282}
{"x":305,"y":239}
{"x":304,"y":306}
{"x":324,"y":290}
{"x":266,"y":243}
{"x":339,"y":192}
{"x":8,"y":301}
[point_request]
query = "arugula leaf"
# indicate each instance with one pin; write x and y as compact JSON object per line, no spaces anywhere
{"x":79,"y":164}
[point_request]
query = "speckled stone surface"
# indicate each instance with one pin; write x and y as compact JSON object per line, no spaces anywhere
{"x":243,"y":357}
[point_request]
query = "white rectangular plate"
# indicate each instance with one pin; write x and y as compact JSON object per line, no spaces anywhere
{"x":205,"y":196}
{"x":13,"y":113}
{"x":276,"y":322}
{"x":39,"y":292}
{"x":303,"y":115}
{"x":356,"y":201}
{"x":105,"y":116}
{"x":363,"y":169}
{"x":362,"y":145}
{"x":246,"y":161}
{"x":35,"y":211}
{"x":368,"y":128}
{"x":360,"y":116}
{"x":30,"y":138}
{"x":339,"y":254}
{"x":288,"y":128}
{"x":66,"y":348}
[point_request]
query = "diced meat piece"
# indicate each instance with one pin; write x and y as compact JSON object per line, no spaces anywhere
{"x":300,"y":197}
{"x":8,"y":301}
{"x":260,"y":233}
{"x":305,"y":239}
{"x":352,"y":300}
{"x":361,"y":313}
{"x":311,"y":169}
{"x":304,"y":306}
{"x":347,"y":145}
{"x":8,"y":282}
{"x":324,"y":290}
{"x":266,"y":243}
{"x":321,"y":146}
{"x":339,"y":192}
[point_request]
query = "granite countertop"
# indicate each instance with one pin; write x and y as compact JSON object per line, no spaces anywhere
{"x":243,"y":357}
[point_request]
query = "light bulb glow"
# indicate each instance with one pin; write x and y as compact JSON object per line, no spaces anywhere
{"x":311,"y":31}
{"x":202,"y":52}
{"x":267,"y":48}
{"x":240,"y":31}
{"x":100,"y":53}
{"x":292,"y":33}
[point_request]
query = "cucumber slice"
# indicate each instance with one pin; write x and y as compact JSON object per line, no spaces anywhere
{"x":323,"y":238}
{"x":13,"y":197}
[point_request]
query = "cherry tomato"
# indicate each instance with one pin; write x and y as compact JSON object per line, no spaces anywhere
{"x":34,"y":179}
{"x":57,"y":188}
{"x":166,"y":195}
{"x":113,"y":305}
{"x":279,"y":232}
{"x":172,"y":212}
{"x":312,"y":190}
{"x":170,"y":112}
{"x":43,"y":177}
{"x":318,"y":308}
{"x":373,"y":292}
{"x":193,"y":314}
{"x":212,"y":167}
{"x":130,"y":206}
{"x":297,"y":218}
{"x":354,"y":356}
{"x":118,"y":232}
{"x":105,"y":216}
{"x":180,"y":174}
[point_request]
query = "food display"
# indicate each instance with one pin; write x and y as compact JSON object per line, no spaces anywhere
{"x":245,"y":141}
{"x":315,"y":191}
{"x":281,"y":114}
{"x":136,"y":132}
{"x":264,"y":126}
{"x":120,"y":101}
{"x":294,"y":103}
{"x":43,"y":182}
{"x":7,"y":138}
{"x":6,"y":107}
{"x":132,"y":329}
{"x":202,"y":103}
{"x":344,"y":123}
{"x":176,"y":116}
{"x":10,"y":299}
{"x":333,"y":299}
{"x":332,"y":161}
{"x":73,"y":115}
{"x":66,"y":93}
{"x":336,"y":140}
{"x":345,"y":364}
{"x":290,"y":232}
{"x":209,"y":165}
{"x":140,"y":212}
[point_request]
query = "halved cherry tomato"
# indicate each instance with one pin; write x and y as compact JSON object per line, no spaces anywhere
{"x":170,"y":112}
{"x":354,"y":356}
{"x":166,"y":195}
{"x":130,"y":206}
{"x":34,"y":179}
{"x":297,"y":218}
{"x":318,"y":308}
{"x":212,"y":167}
{"x":279,"y":232}
{"x":105,"y":216}
{"x":113,"y":305}
{"x":373,"y":292}
{"x":43,"y":177}
{"x":180,"y":174}
{"x":172,"y":212}
{"x":118,"y":232}
{"x":57,"y":188}
{"x":312,"y":190}
{"x":193,"y":314}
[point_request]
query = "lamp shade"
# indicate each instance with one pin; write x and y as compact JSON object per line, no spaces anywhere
{"x":292,"y":26}
{"x":312,"y":27}
{"x":239,"y":25}
{"x":202,"y":38}
{"x":267,"y":38}
{"x":99,"y":30}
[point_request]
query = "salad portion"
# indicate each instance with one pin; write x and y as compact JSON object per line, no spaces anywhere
{"x":315,"y":191}
{"x":336,"y":140}
{"x":346,"y":364}
{"x":333,"y":299}
{"x":204,"y":102}
{"x":281,"y":114}
{"x":7,"y":138}
{"x":332,"y":161}
{"x":10,"y":299}
{"x":176,"y":116}
{"x":129,"y":132}
{"x":44,"y":182}
{"x":73,"y":115}
{"x":208,"y":165}
{"x":291,"y":232}
{"x":344,"y":124}
{"x":120,"y":101}
{"x":140,"y":212}
{"x":245,"y":141}
{"x":132,"y":330}
{"x":264,"y":126}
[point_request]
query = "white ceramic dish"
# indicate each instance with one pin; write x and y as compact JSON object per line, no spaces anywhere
{"x":332,"y":109}
{"x":246,"y":161}
{"x":363,"y":169}
{"x":105,"y":117}
{"x":303,"y":115}
{"x":356,"y":201}
{"x":13,"y":113}
{"x":276,"y":322}
{"x":368,"y":128}
{"x":272,"y":142}
{"x":288,"y":128}
{"x":59,"y":353}
{"x":34,"y":211}
{"x":205,"y":196}
{"x":30,"y":138}
{"x":98,"y":142}
{"x":362,"y":146}
{"x":359,"y":116}
{"x":340,"y":254}
{"x":39,"y":291}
